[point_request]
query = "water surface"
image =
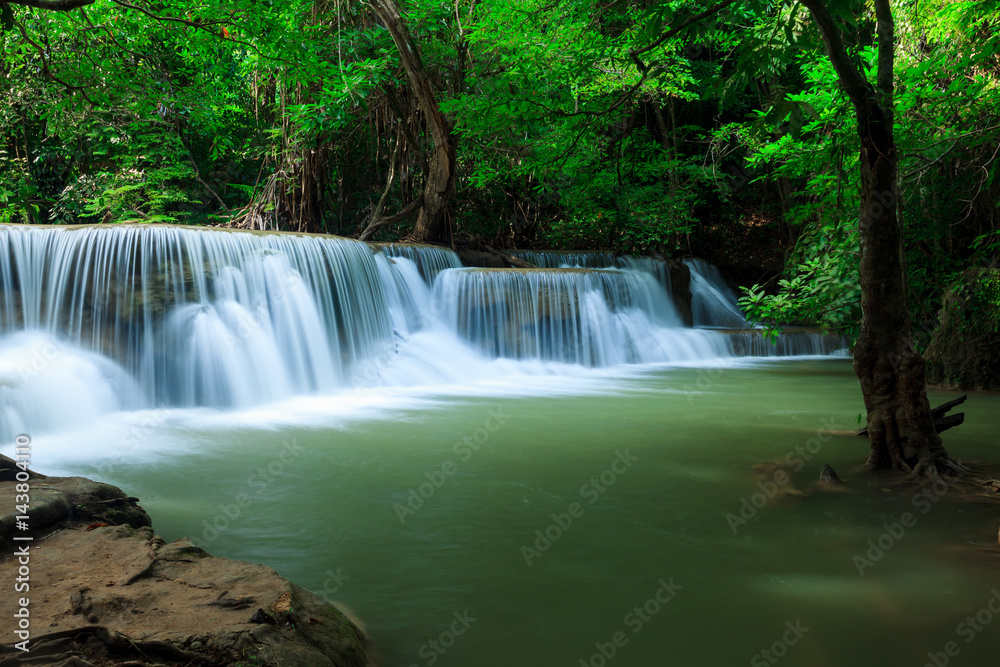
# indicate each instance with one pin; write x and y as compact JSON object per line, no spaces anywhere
{"x":323,"y":482}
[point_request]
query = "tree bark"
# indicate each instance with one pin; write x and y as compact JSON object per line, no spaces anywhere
{"x":893,"y":382}
{"x":439,"y":184}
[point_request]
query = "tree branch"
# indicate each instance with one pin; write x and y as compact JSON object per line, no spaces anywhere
{"x":206,"y":26}
{"x":404,"y":213}
{"x":645,"y":70}
{"x":409,"y":57}
{"x":201,"y":25}
{"x":855,"y":84}
{"x":373,"y":224}
{"x":45,"y":64}
{"x":885,"y":28}
{"x":714,"y":9}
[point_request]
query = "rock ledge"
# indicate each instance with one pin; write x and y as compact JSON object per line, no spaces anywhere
{"x":117,"y":595}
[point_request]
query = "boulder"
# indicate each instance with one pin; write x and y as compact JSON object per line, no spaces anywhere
{"x":117,"y":595}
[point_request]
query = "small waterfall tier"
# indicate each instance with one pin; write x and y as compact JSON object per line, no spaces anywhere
{"x":713,"y":302}
{"x":580,"y":316}
{"x":567,"y":259}
{"x":575,"y":259}
{"x":430,"y":260}
{"x":792,"y":342}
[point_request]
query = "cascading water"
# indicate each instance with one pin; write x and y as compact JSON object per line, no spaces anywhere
{"x":713,"y":302}
{"x":579,"y":316}
{"x":47,"y":381}
{"x":551,"y":259}
{"x":571,"y":259}
{"x":101,"y":319}
{"x":597,"y":259}
{"x":430,"y":260}
{"x":200,"y":318}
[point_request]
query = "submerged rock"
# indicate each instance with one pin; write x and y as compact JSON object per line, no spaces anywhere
{"x":828,"y":474}
{"x":115,"y":595}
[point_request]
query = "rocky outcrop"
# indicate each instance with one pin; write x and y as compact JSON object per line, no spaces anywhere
{"x":116,"y":595}
{"x":58,"y":501}
{"x":964,"y":352}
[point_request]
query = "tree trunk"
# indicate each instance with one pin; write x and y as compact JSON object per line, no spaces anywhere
{"x":439,"y":184}
{"x":892,"y":374}
{"x":893,"y":382}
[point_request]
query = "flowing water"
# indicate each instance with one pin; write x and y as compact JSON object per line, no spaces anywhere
{"x":543,"y":453}
{"x":713,"y":302}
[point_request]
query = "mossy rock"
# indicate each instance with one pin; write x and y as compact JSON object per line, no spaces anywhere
{"x":965,"y":349}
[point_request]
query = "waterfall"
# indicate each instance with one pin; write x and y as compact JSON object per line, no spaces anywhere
{"x":48,"y":381}
{"x":713,"y":302}
{"x":579,"y":316}
{"x":197,"y":317}
{"x":100,"y":319}
{"x":791,"y":343}
{"x":429,"y":260}
{"x":596,"y":259}
{"x":567,"y":259}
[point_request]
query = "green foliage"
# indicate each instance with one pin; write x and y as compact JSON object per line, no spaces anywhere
{"x":823,"y":290}
{"x":738,"y":121}
{"x":976,"y":306}
{"x":149,"y":184}
{"x":947,"y":94}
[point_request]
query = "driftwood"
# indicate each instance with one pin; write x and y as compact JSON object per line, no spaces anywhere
{"x":516,"y":262}
{"x":942,"y":420}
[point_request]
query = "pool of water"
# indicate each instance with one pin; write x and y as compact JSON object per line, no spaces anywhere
{"x":608,"y":518}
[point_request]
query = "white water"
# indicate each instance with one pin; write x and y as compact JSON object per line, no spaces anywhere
{"x":98,"y":320}
{"x":47,"y":382}
{"x":713,"y":302}
{"x":585,"y":317}
{"x":596,"y":259}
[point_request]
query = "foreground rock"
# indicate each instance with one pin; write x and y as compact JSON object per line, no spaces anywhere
{"x":118,"y":595}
